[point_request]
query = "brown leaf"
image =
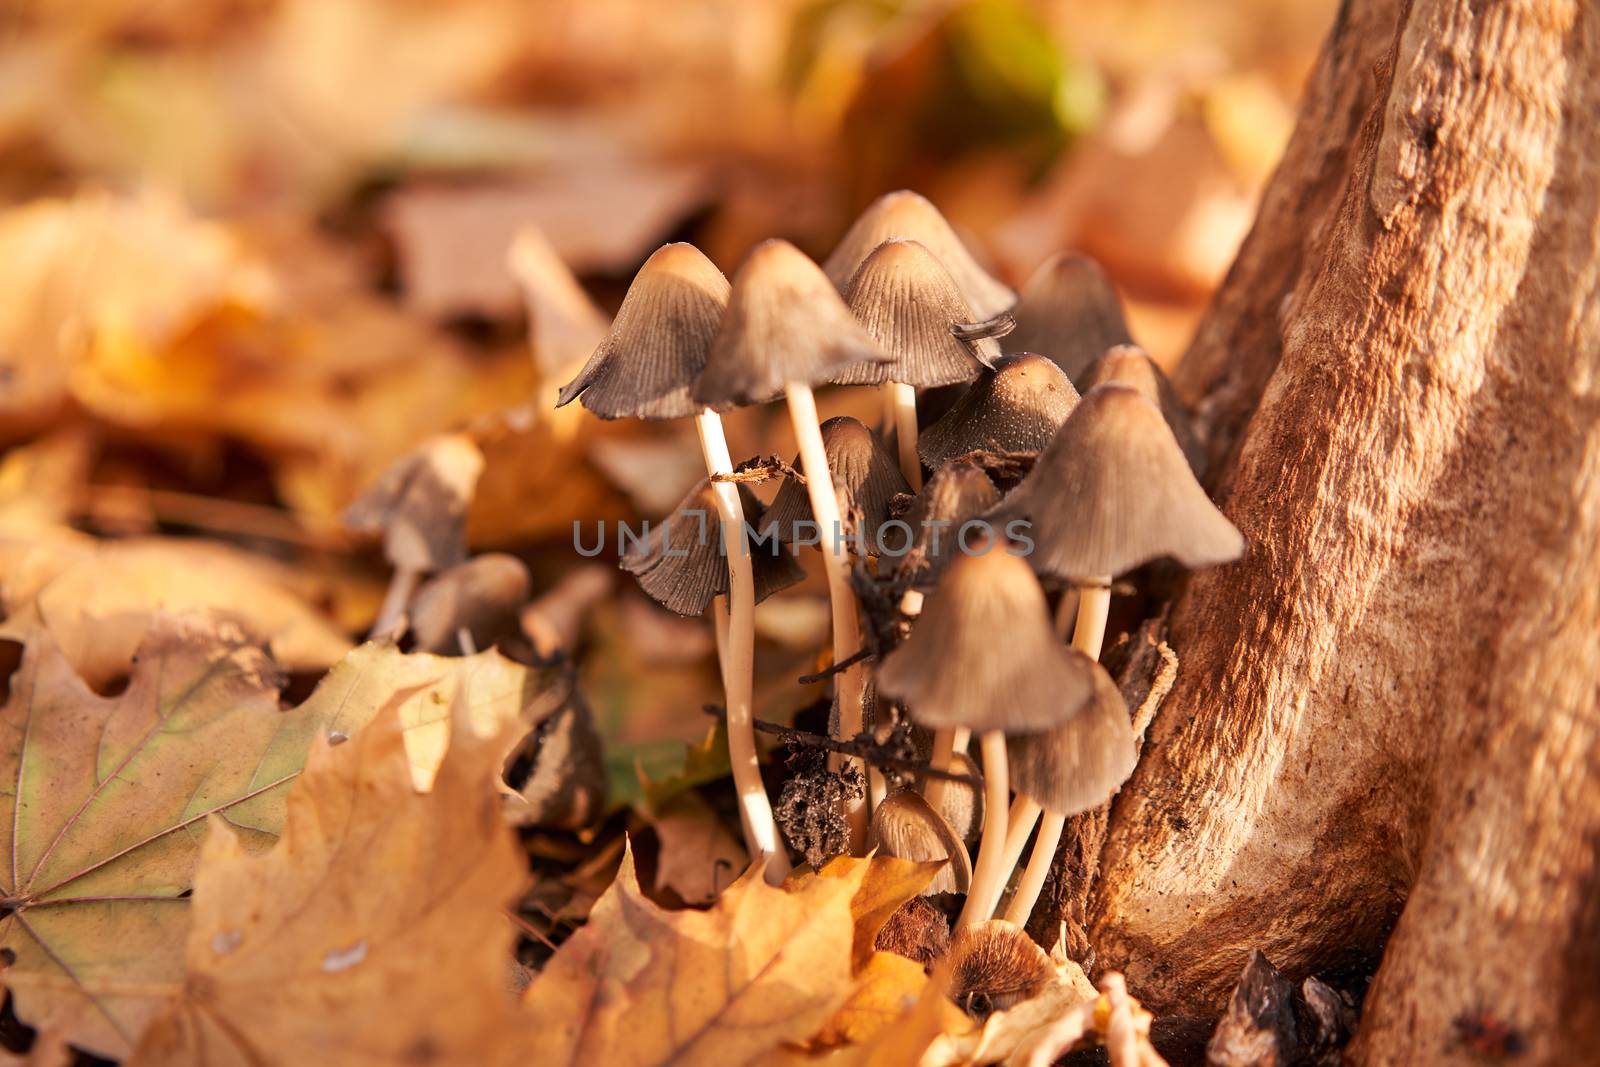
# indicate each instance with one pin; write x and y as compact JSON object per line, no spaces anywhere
{"x":699,"y":856}
{"x":887,"y":988}
{"x":885,"y":884}
{"x":640,"y":986}
{"x":372,"y":933}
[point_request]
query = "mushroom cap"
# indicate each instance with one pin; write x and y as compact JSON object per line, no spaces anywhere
{"x":1070,"y":312}
{"x":865,"y":477}
{"x":961,"y":803}
{"x":983,"y":654}
{"x":785,"y":323}
{"x":420,"y":503}
{"x":1016,"y":407}
{"x":956,"y":493}
{"x":482,"y":596}
{"x":907,"y":827}
{"x":907,"y":301}
{"x":1113,"y":491}
{"x":659,"y":341}
{"x":1132,"y":365}
{"x":908,"y":214}
{"x":681,"y":564}
{"x":1081,"y":764}
{"x":996,"y":965}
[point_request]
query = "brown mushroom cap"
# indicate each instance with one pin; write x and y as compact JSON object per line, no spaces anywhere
{"x":420,"y":504}
{"x":961,"y":803}
{"x":865,"y":476}
{"x":956,"y":493}
{"x":658,"y":343}
{"x":1113,"y":491}
{"x":983,"y":654}
{"x":785,"y":323}
{"x":1078,"y":765}
{"x":1016,"y":407}
{"x":681,"y":564}
{"x":995,"y":966}
{"x":1070,"y":312}
{"x":1132,"y":365}
{"x":482,"y":596}
{"x":906,"y":826}
{"x":908,"y":302}
{"x":908,"y":214}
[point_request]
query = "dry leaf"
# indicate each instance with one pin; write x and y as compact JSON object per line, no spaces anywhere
{"x":885,"y":884}
{"x":97,"y":599}
{"x":372,"y":933}
{"x":641,"y":986}
{"x":886,"y":989}
{"x":699,"y":856}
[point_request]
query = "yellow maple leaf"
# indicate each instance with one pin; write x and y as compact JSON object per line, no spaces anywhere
{"x":641,"y":986}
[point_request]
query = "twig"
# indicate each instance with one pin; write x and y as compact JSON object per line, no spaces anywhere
{"x":833,"y":669}
{"x":761,"y":469}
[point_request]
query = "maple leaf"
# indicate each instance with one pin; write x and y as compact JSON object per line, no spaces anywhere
{"x":372,"y":933}
{"x":108,"y":797}
{"x":640,"y":986}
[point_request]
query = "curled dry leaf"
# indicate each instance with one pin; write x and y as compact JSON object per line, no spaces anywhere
{"x":102,"y":822}
{"x":641,"y":986}
{"x":372,"y":933}
{"x":699,"y":856}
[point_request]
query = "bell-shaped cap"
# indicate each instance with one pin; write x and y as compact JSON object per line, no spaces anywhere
{"x":1070,"y":312}
{"x":957,"y":493}
{"x":785,"y":323}
{"x":866,"y":479}
{"x":1080,"y":764}
{"x":1017,"y":407}
{"x":681,"y":564}
{"x":908,"y":303}
{"x":961,"y":803}
{"x":482,"y":596}
{"x":984,"y":655}
{"x":419,"y":506}
{"x":908,"y":214}
{"x":1113,"y":491}
{"x":995,"y":965}
{"x":907,"y":827}
{"x":1132,"y":365}
{"x":659,"y":342}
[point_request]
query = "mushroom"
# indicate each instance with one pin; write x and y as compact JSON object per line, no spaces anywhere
{"x":961,"y":803}
{"x":956,"y":495}
{"x":995,"y":966}
{"x":905,"y":826}
{"x":419,"y":506}
{"x":1016,"y":407}
{"x":1113,"y":491}
{"x":1131,"y":365}
{"x":469,"y":605}
{"x":908,"y":214}
{"x":1070,"y":312}
{"x":787,"y":330}
{"x":865,"y":479}
{"x":907,"y":300}
{"x":683,"y":569}
{"x":983,"y":656}
{"x":659,"y":343}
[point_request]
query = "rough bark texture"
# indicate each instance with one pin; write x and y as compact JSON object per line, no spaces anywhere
{"x":1385,"y":731}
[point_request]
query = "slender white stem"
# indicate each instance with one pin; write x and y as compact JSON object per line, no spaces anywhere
{"x":849,"y":684}
{"x":1020,"y":820}
{"x":719,"y":627}
{"x":1094,"y":604}
{"x":946,"y":743}
{"x":900,"y":402}
{"x":1066,"y":612}
{"x":469,"y":647}
{"x":989,"y":872}
{"x":401,"y":585}
{"x":738,"y":655}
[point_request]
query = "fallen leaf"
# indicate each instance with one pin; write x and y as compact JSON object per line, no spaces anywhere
{"x":885,"y":883}
{"x":887,"y":987}
{"x":372,"y":933}
{"x":1018,"y":1029}
{"x":698,"y":854}
{"x":103,"y":826}
{"x":641,"y":986}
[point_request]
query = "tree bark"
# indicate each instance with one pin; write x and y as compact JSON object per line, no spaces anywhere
{"x":1385,"y":732}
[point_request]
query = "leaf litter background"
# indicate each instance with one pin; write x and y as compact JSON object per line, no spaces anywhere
{"x":255,"y":251}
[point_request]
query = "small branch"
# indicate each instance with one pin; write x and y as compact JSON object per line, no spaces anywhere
{"x":759,"y":469}
{"x":833,"y":669}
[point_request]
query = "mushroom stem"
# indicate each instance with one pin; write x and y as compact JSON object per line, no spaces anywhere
{"x":401,"y":585}
{"x":850,"y":684}
{"x":900,"y":411}
{"x":1066,"y":612}
{"x":1094,"y":604}
{"x":1019,"y":827}
{"x":946,"y":743}
{"x":738,"y":653}
{"x":989,"y":872}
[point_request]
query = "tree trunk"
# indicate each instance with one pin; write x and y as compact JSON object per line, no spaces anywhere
{"x":1385,"y":730}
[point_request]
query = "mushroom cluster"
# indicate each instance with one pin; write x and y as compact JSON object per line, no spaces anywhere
{"x":1032,"y":492}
